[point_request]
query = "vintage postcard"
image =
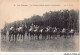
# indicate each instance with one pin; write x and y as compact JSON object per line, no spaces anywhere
{"x":39,"y":25}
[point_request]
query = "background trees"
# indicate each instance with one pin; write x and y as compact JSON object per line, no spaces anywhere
{"x":60,"y":19}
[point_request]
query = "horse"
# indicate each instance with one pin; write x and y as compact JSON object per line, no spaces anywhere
{"x":13,"y":33}
{"x":37,"y":32}
{"x":22,"y":30}
{"x":64,"y":32}
{"x":71,"y":32}
{"x":31,"y":33}
{"x":54,"y":32}
{"x":43,"y":32}
{"x":19,"y":32}
{"x":48,"y":32}
{"x":3,"y":34}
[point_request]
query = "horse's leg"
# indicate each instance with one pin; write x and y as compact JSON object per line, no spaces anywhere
{"x":64,"y":35}
{"x":27,"y":36}
{"x":60,"y":34}
{"x":18,"y":36}
{"x":9,"y":37}
{"x":5,"y":36}
{"x":70,"y":35}
{"x":54,"y":35}
{"x":46,"y":36}
{"x":42,"y":36}
{"x":38,"y":37}
{"x":50,"y":36}
{"x":30,"y":37}
{"x":15,"y":37}
{"x":1,"y":36}
{"x":33,"y":37}
{"x":21,"y":36}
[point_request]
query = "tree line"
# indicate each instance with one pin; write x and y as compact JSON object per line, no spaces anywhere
{"x":60,"y":19}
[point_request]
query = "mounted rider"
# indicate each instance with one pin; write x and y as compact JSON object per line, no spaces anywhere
{"x":32,"y":27}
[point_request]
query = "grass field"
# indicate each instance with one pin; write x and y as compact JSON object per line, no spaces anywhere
{"x":59,"y":44}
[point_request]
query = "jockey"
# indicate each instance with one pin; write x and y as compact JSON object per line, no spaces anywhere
{"x":11,"y":28}
{"x":63,"y":30}
{"x":48,"y":28}
{"x":55,"y":28}
{"x":36,"y":27}
{"x":32,"y":27}
{"x":72,"y":30}
{"x":41,"y":30}
{"x":19,"y":29}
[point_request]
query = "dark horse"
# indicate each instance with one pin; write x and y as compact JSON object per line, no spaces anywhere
{"x":37,"y":33}
{"x":22,"y":33}
{"x":44,"y":34}
{"x":71,"y":32}
{"x":3,"y":34}
{"x":13,"y":33}
{"x":64,"y":33}
{"x":31,"y":34}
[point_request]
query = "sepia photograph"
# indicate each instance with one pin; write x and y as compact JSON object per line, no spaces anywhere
{"x":39,"y":25}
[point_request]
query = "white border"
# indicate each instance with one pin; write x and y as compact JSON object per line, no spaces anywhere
{"x":38,"y":53}
{"x":43,"y":53}
{"x":79,"y":25}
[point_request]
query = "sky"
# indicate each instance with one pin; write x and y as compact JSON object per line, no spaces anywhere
{"x":13,"y":10}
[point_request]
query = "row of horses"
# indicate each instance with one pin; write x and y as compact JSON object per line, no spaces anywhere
{"x":37,"y":32}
